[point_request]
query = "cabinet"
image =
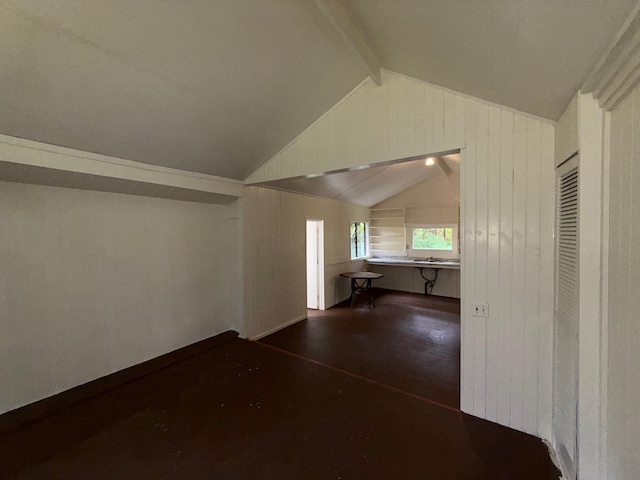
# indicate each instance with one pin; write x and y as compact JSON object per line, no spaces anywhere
{"x":386,"y":232}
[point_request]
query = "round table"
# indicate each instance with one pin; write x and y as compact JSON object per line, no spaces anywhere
{"x":361,"y":282}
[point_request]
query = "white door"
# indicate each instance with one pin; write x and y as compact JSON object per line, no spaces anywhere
{"x":315,"y":264}
{"x":566,"y":327}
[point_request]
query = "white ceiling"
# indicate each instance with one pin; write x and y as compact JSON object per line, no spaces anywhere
{"x":220,"y":86}
{"x":531,"y":55}
{"x":368,"y":186}
{"x":208,"y":86}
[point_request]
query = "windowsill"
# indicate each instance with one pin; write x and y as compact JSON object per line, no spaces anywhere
{"x":360,"y":259}
{"x":448,"y":254}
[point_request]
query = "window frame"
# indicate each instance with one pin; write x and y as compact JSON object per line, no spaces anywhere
{"x":433,"y":252}
{"x":366,"y":253}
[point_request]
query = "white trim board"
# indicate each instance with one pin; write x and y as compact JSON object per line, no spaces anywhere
{"x":27,"y":161}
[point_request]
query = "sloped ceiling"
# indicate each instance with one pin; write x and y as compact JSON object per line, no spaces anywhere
{"x":219,"y":87}
{"x":531,"y":55}
{"x":368,"y":186}
{"x":214,"y":87}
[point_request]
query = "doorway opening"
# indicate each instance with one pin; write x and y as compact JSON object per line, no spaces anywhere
{"x":315,"y":264}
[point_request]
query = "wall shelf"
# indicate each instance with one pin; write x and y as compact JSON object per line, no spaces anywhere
{"x":386,"y":232}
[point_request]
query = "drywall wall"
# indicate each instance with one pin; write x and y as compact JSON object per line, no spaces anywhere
{"x":94,"y":282}
{"x":623,"y":383}
{"x":438,"y":191}
{"x":274,"y":255}
{"x":507,"y":192}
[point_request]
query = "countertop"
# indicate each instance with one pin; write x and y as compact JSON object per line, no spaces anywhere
{"x":451,"y":264}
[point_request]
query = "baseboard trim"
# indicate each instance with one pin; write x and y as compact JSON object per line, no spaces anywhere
{"x":280,"y":327}
{"x":32,"y":412}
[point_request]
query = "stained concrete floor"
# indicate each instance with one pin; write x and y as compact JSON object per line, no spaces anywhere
{"x":408,"y":341}
{"x":244,"y":410}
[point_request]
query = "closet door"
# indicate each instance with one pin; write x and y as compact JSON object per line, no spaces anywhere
{"x":566,"y":326}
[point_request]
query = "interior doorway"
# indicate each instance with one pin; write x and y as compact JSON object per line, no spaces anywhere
{"x":315,"y":264}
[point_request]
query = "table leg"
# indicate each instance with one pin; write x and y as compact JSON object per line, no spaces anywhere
{"x":429,"y":283}
{"x":369,"y":292}
{"x":353,"y":292}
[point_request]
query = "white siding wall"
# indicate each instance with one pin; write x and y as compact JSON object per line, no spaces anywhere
{"x":408,"y":279}
{"x":93,"y":282}
{"x":507,"y":194}
{"x":274,"y":255}
{"x":623,"y":416}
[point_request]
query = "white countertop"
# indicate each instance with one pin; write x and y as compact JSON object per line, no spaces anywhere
{"x":416,"y":262}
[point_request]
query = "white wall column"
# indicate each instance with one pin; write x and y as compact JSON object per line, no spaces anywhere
{"x":591,"y":234}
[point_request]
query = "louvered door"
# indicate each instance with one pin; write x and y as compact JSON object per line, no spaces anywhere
{"x":565,"y":404}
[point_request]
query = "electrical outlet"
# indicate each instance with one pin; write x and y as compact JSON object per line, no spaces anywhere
{"x":481,"y":310}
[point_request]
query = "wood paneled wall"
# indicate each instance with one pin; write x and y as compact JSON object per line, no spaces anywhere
{"x":507,"y":209}
{"x":275,"y":281}
{"x":94,"y":282}
{"x":623,"y":392}
{"x":409,"y":280}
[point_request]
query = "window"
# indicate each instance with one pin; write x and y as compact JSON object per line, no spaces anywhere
{"x":430,"y":240}
{"x":358,"y":235}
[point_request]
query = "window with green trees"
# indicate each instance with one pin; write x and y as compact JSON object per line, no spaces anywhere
{"x":358,"y":240}
{"x":432,"y":239}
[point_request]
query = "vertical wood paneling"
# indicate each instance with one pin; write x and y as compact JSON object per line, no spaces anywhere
{"x":632,"y":290}
{"x":438,"y":117}
{"x":532,"y":273}
{"x":625,"y":308}
{"x":518,"y":276}
{"x":545,"y":287}
{"x":481,"y":267}
{"x":623,"y":420}
{"x":275,"y":236}
{"x":449,"y":119}
{"x":493,"y":268}
{"x":505,"y":262}
{"x":468,"y":258}
{"x":429,"y":116}
{"x":421,"y":114}
{"x":460,"y":120}
{"x":633,"y":426}
{"x":507,"y":242}
{"x":617,"y":364}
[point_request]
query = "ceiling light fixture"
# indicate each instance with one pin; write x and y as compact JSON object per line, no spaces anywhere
{"x":429,"y":161}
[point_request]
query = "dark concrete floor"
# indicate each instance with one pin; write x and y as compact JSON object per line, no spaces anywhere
{"x":243,"y":410}
{"x":408,"y":341}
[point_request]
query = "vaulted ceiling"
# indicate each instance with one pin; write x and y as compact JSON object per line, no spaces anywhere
{"x":219,"y":87}
{"x":372,"y":185}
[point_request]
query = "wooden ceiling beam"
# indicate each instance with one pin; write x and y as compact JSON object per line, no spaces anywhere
{"x":347,"y":26}
{"x":442,"y":163}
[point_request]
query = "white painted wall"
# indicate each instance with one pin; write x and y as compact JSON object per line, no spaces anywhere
{"x":583,"y":128}
{"x":274,"y":255}
{"x":93,"y":282}
{"x":623,"y":389}
{"x":436,"y":200}
{"x":567,"y":132}
{"x":408,"y":279}
{"x":507,"y":191}
{"x":566,"y":327}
